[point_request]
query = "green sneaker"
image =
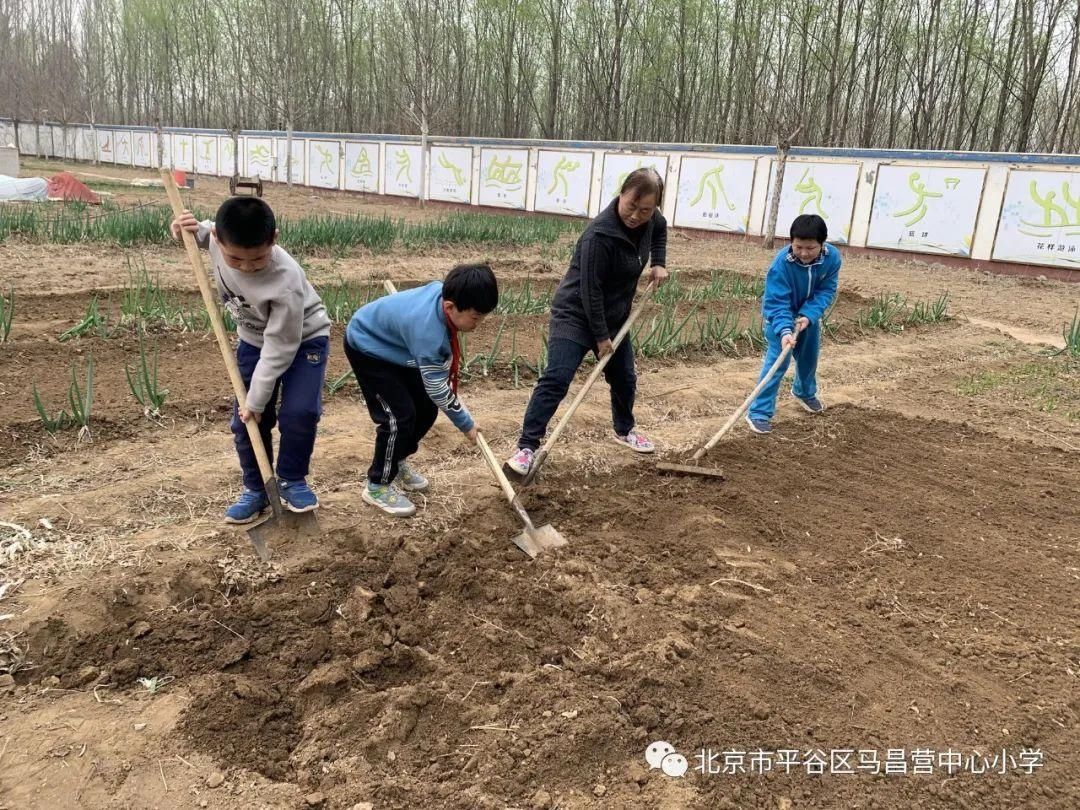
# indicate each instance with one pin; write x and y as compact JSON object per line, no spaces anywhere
{"x":389,"y":499}
{"x":409,"y":479}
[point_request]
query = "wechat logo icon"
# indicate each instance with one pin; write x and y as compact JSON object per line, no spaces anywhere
{"x":663,"y":755}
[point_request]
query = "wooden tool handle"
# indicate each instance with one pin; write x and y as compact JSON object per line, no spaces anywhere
{"x":195,"y":258}
{"x":388,"y":285}
{"x":493,"y":465}
{"x":597,"y":371}
{"x":746,"y":404}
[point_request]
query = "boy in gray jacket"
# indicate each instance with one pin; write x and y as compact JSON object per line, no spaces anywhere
{"x":284,"y":344}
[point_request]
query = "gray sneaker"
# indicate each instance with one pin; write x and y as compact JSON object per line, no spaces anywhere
{"x":409,"y":479}
{"x":389,"y":499}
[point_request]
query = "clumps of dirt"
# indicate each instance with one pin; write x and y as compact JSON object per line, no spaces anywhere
{"x":249,"y":723}
{"x":247,"y":573}
{"x":449,"y":670}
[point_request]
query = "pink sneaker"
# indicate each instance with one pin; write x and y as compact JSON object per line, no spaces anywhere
{"x":521,"y":461}
{"x":636,"y":441}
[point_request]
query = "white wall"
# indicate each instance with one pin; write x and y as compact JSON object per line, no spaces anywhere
{"x":1041,"y":225}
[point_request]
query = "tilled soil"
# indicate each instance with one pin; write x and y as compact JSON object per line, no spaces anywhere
{"x":870,"y":582}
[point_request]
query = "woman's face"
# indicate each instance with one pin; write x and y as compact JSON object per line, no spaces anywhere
{"x":634,"y":212}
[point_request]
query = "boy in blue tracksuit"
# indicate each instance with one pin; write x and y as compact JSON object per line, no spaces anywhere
{"x":800,"y":286}
{"x":405,"y":353}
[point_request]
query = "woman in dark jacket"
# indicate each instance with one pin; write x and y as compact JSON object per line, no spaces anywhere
{"x":592,"y":303}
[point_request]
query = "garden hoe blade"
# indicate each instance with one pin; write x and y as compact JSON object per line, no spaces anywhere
{"x":687,"y":469}
{"x":693,"y":469}
{"x":281,"y":526}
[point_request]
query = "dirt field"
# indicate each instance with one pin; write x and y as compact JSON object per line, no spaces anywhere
{"x":900,"y":573}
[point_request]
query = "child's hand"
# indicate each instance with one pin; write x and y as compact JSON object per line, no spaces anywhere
{"x":802,"y":322}
{"x":658,"y":274}
{"x":471,"y":434}
{"x":186,"y":222}
{"x":789,"y":340}
{"x":245,"y":415}
{"x":604,"y":347}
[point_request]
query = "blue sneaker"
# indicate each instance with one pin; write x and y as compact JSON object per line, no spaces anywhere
{"x":761,"y":426}
{"x":297,"y":496}
{"x":811,"y":404}
{"x":248,"y":507}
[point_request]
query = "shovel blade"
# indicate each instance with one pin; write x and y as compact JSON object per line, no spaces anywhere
{"x":538,"y":540}
{"x":688,"y":469}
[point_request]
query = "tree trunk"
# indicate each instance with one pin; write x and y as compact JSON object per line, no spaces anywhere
{"x":783,"y":146}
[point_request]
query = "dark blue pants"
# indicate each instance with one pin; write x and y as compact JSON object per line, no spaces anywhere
{"x":297,"y":416}
{"x":806,"y":357}
{"x":564,"y":358}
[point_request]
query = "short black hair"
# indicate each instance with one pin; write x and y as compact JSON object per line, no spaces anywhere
{"x":809,"y":226}
{"x":646,"y":180}
{"x":472,"y":286}
{"x":245,"y":222}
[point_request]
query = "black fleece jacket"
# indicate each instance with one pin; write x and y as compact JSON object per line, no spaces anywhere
{"x":595,"y":296}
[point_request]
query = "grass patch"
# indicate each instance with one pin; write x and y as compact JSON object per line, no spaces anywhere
{"x":93,"y":321}
{"x":1048,"y":384}
{"x":343,"y":298}
{"x":143,"y":382}
{"x":7,"y":314}
{"x":80,"y":401}
{"x":335,"y":233}
{"x":72,"y":222}
{"x":891,"y":312}
{"x":462,"y":228}
{"x":720,"y":286}
{"x":1070,"y":331}
{"x":147,"y":224}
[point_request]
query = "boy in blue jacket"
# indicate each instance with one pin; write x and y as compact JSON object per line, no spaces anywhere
{"x":800,"y":286}
{"x":405,"y":353}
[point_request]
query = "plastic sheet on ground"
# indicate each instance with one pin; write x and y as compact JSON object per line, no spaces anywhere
{"x":23,"y":189}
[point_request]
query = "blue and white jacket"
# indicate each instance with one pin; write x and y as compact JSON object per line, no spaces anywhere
{"x":794,"y":289}
{"x":409,"y":329}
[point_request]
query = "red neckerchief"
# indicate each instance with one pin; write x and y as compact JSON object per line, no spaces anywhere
{"x":455,"y":352}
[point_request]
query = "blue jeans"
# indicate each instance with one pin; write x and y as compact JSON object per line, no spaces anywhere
{"x":297,"y":416}
{"x":564,"y":358}
{"x":806,"y":357}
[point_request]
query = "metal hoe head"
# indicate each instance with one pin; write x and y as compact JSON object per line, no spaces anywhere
{"x":282,"y":525}
{"x":688,"y":469}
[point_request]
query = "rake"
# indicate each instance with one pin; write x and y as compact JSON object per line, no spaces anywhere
{"x":693,"y":468}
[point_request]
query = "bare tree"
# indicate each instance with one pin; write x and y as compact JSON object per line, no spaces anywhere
{"x":969,"y":74}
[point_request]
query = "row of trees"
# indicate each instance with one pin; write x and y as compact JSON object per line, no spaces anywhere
{"x":954,"y":74}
